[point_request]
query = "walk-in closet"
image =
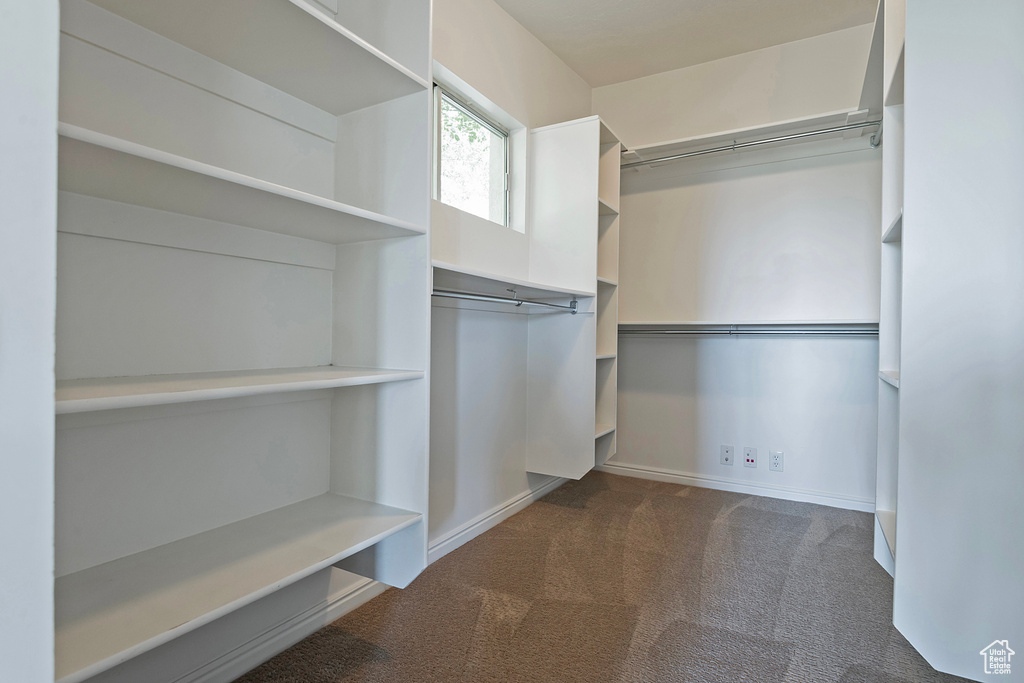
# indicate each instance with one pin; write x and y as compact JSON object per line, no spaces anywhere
{"x":407,"y":340}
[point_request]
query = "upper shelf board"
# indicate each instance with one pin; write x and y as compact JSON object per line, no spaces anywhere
{"x":112,"y":612}
{"x":605,"y":281}
{"x":291,"y":45}
{"x":603,"y":429}
{"x":788,"y":127}
{"x":894,"y":232}
{"x":452,"y":277}
{"x":103,"y":166}
{"x":112,"y":393}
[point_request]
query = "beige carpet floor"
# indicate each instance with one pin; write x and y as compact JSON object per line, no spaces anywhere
{"x":619,"y":579}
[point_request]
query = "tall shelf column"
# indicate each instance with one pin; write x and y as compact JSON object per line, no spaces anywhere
{"x":243,"y":297}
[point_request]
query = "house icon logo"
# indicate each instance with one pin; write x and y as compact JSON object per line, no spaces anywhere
{"x":997,"y":657}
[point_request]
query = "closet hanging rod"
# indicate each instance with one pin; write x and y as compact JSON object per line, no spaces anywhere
{"x":792,"y":329}
{"x":875,"y":139}
{"x":514,"y":299}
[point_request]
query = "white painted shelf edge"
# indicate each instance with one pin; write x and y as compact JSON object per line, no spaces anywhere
{"x":887,"y":521}
{"x":894,"y":231}
{"x":606,"y":209}
{"x":606,"y":356}
{"x":314,"y":205}
{"x":890,"y":377}
{"x":603,"y":430}
{"x":111,"y":393}
{"x":606,"y":281}
{"x":112,"y":612}
{"x":541,"y":288}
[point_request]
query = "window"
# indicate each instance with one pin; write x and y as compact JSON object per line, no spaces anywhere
{"x":471,"y":155}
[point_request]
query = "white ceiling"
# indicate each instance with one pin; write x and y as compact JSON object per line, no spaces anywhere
{"x":608,"y":41}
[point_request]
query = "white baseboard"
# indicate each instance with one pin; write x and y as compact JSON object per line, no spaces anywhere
{"x":488,"y":520}
{"x":752,"y":488}
{"x":233,"y":664}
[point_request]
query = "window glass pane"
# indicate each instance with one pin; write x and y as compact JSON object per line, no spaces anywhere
{"x":472,"y":173}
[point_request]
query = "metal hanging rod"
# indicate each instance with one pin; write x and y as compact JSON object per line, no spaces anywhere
{"x":760,"y":330}
{"x":875,"y":141}
{"x":514,"y":299}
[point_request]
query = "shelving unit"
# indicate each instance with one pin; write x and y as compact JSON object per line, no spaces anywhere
{"x":575,"y":234}
{"x":130,"y":605}
{"x":243,"y":306}
{"x":890,"y":43}
{"x":607,"y":296}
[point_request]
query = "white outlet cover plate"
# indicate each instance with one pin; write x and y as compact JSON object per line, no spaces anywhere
{"x":775,"y":461}
{"x":750,"y":457}
{"x":726,"y":457}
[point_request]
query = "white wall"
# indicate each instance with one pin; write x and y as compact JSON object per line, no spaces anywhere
{"x":960,"y":547}
{"x":478,"y":365}
{"x":784,"y":240}
{"x":28,"y":184}
{"x":780,"y":238}
{"x":785,"y":234}
{"x":790,"y":81}
{"x":681,"y":399}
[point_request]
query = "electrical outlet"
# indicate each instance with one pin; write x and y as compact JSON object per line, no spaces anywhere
{"x":726,"y":455}
{"x":775,"y":461}
{"x":750,"y":457}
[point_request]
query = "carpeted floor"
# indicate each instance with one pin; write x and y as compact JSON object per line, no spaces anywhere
{"x":619,"y":579}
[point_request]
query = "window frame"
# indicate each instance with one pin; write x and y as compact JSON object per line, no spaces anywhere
{"x":444,"y":94}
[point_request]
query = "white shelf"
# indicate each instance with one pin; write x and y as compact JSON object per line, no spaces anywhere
{"x":111,"y":393}
{"x":103,"y":166}
{"x":291,"y":45}
{"x":887,"y":520}
{"x":109,"y":613}
{"x":451,"y":276}
{"x":894,"y":232}
{"x":607,"y":282}
{"x":606,"y":356}
{"x":606,"y":209}
{"x":890,"y":377}
{"x":603,"y":430}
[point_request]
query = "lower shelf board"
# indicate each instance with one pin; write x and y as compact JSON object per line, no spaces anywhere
{"x":112,"y":612}
{"x":110,"y":393}
{"x":890,"y":377}
{"x":603,"y":430}
{"x":887,"y":520}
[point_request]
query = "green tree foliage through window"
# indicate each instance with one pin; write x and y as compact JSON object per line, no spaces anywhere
{"x":472,"y":163}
